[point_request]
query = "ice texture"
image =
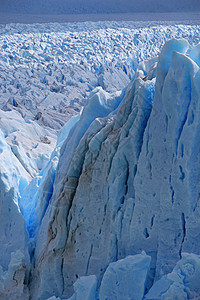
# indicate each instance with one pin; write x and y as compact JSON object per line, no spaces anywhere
{"x":14,"y":258}
{"x":30,"y":143}
{"x":126,"y":278}
{"x":167,"y":181}
{"x":85,"y":288}
{"x":13,"y":280}
{"x":47,"y":71}
{"x":195,"y":54}
{"x":35,"y":197}
{"x":182,"y":283}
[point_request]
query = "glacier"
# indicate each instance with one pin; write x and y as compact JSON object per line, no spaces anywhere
{"x":127,"y":180}
{"x":47,"y":71}
{"x":123,"y":178}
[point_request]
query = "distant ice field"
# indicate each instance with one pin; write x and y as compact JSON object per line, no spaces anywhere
{"x":47,"y":72}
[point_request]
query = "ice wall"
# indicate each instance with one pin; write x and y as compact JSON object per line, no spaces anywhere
{"x":96,"y":189}
{"x":166,"y":209}
{"x":126,"y":181}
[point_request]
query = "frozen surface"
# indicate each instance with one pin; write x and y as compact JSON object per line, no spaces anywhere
{"x":123,"y":175}
{"x":182,"y":283}
{"x":36,"y":196}
{"x":30,"y":143}
{"x":14,"y":258}
{"x":85,"y":288}
{"x":126,"y":278}
{"x":167,"y":180}
{"x":12,"y":175}
{"x":12,"y":280}
{"x":47,"y":71}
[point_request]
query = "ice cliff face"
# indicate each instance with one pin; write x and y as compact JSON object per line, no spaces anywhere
{"x":127,"y":179}
{"x":167,"y":181}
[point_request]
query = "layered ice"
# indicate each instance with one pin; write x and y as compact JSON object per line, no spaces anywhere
{"x":127,"y":179}
{"x":12,"y":172}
